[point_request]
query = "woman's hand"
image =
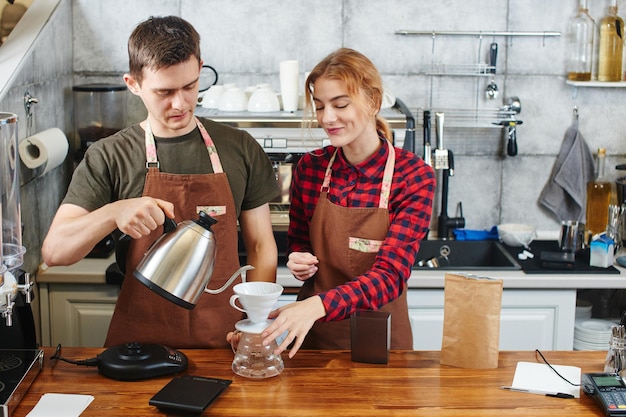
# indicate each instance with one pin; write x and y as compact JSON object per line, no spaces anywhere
{"x":296,"y":319}
{"x":303,"y":265}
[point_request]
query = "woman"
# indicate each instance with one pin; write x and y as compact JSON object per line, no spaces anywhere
{"x":359,"y":209}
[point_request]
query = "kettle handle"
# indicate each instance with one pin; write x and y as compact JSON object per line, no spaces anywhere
{"x":215,"y":77}
{"x":241,"y":271}
{"x":169,"y":225}
{"x":121,"y":246}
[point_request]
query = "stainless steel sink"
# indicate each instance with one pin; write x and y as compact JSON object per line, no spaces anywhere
{"x":464,"y":255}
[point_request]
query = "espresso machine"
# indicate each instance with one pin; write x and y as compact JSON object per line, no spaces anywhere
{"x":20,"y":359}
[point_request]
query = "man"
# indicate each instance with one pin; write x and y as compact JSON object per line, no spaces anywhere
{"x":175,"y":165}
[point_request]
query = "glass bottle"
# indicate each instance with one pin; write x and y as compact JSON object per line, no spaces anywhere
{"x":611,"y":45}
{"x":598,"y":199}
{"x":580,"y":44}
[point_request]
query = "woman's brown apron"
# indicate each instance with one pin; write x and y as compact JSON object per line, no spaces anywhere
{"x":345,"y":241}
{"x":143,"y":316}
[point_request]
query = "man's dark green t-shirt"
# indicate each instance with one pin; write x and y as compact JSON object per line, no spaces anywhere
{"x":114,"y":168}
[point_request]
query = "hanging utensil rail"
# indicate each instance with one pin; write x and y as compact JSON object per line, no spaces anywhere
{"x":473,"y":118}
{"x":433,"y":33}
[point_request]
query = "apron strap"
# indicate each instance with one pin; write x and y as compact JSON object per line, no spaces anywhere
{"x":151,"y":153}
{"x":383,"y":201}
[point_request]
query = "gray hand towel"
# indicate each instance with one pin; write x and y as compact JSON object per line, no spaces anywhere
{"x":565,"y":193}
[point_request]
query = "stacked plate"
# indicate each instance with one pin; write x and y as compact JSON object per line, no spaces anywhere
{"x":592,"y":334}
{"x":583,"y":309}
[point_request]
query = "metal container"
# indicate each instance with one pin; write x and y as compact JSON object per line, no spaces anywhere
{"x":179,"y":265}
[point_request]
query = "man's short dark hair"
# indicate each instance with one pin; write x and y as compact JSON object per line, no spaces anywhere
{"x":160,"y":42}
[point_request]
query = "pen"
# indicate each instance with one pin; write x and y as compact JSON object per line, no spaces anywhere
{"x":539,"y":392}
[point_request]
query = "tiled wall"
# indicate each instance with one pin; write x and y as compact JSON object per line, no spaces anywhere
{"x":47,"y":75}
{"x":245,"y":40}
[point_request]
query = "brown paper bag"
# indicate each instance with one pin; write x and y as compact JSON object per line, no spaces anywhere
{"x":471,"y":321}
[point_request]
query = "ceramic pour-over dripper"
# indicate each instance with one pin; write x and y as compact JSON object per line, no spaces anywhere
{"x":257,"y":299}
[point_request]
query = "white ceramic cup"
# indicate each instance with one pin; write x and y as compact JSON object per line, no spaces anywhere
{"x":289,"y":84}
{"x":211,"y":99}
{"x":263,"y":99}
{"x":233,"y":99}
{"x":257,"y":298}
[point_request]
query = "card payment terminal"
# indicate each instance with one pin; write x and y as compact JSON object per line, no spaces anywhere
{"x":609,"y":391}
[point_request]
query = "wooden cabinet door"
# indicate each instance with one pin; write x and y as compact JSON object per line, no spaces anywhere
{"x":80,"y":314}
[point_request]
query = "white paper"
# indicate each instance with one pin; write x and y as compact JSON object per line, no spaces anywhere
{"x":61,"y":405}
{"x":539,"y":377}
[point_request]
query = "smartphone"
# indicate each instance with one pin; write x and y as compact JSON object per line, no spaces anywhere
{"x":189,"y":393}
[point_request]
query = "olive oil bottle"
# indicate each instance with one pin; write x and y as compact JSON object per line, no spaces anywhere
{"x":611,"y":45}
{"x":598,"y":199}
{"x":580,"y":39}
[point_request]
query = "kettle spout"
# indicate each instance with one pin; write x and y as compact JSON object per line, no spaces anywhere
{"x":241,"y":271}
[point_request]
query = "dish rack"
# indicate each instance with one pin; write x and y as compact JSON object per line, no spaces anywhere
{"x":471,"y":118}
{"x":463,"y":70}
{"x":476,"y":117}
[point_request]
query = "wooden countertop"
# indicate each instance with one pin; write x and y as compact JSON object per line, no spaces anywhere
{"x":328,"y":383}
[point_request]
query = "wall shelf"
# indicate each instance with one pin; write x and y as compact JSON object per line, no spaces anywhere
{"x":597,"y":84}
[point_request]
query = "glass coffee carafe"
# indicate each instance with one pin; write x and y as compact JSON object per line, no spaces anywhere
{"x":252,"y":358}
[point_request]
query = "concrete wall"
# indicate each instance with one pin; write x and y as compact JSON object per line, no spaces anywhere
{"x":46,"y":73}
{"x":245,"y":40}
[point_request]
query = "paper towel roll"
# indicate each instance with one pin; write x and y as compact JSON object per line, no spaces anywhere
{"x":48,"y":148}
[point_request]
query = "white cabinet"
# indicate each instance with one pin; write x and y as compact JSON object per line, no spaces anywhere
{"x":76,"y":307}
{"x":529,"y":319}
{"x":78,"y":314}
{"x":75,"y":303}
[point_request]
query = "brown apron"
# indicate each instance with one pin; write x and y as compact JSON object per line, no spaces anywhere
{"x":143,"y":316}
{"x":332,"y":229}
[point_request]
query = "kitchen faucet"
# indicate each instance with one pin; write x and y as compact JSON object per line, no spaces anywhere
{"x":444,"y":161}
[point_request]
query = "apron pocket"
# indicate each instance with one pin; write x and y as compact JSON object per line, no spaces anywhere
{"x":364,"y":245}
{"x":362,"y":254}
{"x":212,"y":211}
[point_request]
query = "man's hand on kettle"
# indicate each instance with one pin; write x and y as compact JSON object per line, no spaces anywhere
{"x":303,"y":265}
{"x":296,"y":319}
{"x":139,"y":216}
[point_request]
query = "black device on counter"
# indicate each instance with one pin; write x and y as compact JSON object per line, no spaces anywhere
{"x":135,"y":361}
{"x":608,"y":390}
{"x":557,"y":260}
{"x":189,"y":393}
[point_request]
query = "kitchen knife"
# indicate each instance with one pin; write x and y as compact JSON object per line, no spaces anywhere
{"x":493,"y":56}
{"x":427,"y":146}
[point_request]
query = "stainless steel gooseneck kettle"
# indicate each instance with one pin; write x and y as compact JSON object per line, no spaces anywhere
{"x":179,"y":265}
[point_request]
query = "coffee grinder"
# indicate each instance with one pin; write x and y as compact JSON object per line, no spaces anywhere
{"x":17,"y":328}
{"x":99,"y":111}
